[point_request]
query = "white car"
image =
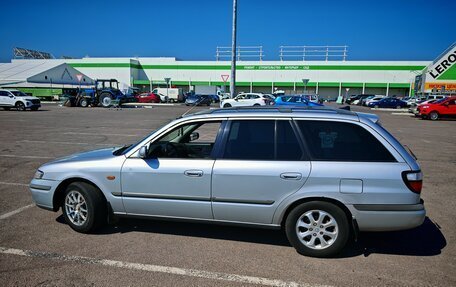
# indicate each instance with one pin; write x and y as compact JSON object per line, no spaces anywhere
{"x":245,"y":100}
{"x":18,"y":100}
{"x":374,"y":99}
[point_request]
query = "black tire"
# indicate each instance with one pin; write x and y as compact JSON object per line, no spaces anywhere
{"x":433,"y":116}
{"x":20,"y":106}
{"x":105,"y":100}
{"x":84,"y":103}
{"x":256,"y":105}
{"x":227,"y":105}
{"x":342,"y":230}
{"x":95,"y":206}
{"x":6,"y":108}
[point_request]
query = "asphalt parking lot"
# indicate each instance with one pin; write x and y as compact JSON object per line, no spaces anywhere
{"x":38,"y":249}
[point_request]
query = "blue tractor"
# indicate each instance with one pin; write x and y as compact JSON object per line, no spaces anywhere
{"x":106,"y":94}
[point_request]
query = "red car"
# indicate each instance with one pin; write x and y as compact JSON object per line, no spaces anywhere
{"x":439,"y":109}
{"x":148,"y":98}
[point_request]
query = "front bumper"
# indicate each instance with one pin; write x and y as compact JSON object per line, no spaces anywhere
{"x":388,"y":217}
{"x":43,"y":192}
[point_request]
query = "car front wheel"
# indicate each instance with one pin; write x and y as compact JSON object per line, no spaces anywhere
{"x":317,"y":229}
{"x":84,"y":208}
{"x":227,"y":106}
{"x":434,"y":116}
{"x":20,"y":106}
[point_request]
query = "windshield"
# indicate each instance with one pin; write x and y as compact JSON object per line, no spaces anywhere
{"x":126,"y":148}
{"x":19,"y":94}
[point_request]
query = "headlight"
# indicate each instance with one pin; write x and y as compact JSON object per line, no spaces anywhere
{"x":38,"y":174}
{"x":425,"y":107}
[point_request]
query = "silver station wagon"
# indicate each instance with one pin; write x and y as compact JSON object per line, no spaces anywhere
{"x":320,"y":174}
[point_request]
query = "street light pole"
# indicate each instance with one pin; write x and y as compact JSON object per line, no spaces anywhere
{"x":233,"y":52}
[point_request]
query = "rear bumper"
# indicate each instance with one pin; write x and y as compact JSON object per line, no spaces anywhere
{"x":388,"y":217}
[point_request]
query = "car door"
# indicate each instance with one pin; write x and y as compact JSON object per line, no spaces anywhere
{"x":174,"y":179}
{"x":5,"y":99}
{"x":261,"y":163}
{"x":449,"y":107}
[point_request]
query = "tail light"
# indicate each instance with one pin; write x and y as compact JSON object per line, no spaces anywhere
{"x":413,"y":180}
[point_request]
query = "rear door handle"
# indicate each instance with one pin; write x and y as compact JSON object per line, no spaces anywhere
{"x":291,"y":175}
{"x":193,"y":173}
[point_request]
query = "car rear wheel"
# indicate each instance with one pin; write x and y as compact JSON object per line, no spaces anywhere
{"x":227,"y":105}
{"x":434,"y":116}
{"x":84,"y":208}
{"x":20,"y":106}
{"x":317,"y":229}
{"x":256,"y":105}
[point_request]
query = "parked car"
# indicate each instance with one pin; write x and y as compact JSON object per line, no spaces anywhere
{"x":415,"y":108}
{"x":322,"y":174}
{"x":311,"y":98}
{"x":14,"y":99}
{"x":439,"y":109}
{"x":197,"y":100}
{"x":148,"y":98}
{"x":387,"y":103}
{"x":294,"y":100}
{"x":373,"y":99}
{"x":356,"y":99}
{"x":245,"y":100}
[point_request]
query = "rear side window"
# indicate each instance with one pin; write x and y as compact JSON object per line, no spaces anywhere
{"x":262,"y":140}
{"x":339,"y":141}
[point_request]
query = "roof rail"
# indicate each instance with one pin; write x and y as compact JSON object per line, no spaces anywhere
{"x":274,"y":109}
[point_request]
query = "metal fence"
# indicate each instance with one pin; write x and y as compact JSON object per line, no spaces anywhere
{"x":242,"y":53}
{"x":313,"y":53}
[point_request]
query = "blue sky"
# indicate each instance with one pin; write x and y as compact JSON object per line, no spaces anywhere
{"x":190,"y":30}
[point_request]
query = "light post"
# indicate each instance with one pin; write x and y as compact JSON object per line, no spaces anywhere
{"x":305,"y":82}
{"x":233,"y":52}
{"x":167,"y":80}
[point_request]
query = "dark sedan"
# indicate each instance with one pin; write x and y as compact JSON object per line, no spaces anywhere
{"x":196,"y":100}
{"x":388,"y":103}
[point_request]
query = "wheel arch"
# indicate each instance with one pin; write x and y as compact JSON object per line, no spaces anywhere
{"x":59,"y":192}
{"x":297,"y":202}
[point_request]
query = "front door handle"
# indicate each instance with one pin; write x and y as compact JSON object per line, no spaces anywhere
{"x":291,"y":175}
{"x":193,"y":173}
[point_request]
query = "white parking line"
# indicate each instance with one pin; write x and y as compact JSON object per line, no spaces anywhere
{"x":26,"y":156}
{"x":14,"y":212}
{"x":68,"y":143}
{"x":153,"y":268}
{"x":13,"y":183}
{"x":99,"y":134}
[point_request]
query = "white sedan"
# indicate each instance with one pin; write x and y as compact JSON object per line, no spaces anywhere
{"x":245,"y":100}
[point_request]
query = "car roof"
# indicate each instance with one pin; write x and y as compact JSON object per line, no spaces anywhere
{"x":275,"y":111}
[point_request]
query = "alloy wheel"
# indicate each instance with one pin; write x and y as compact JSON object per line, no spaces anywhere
{"x":317,"y":229}
{"x":76,"y":208}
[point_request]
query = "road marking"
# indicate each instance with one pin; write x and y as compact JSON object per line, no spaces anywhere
{"x":99,"y":134}
{"x":14,"y":212}
{"x":14,"y":183}
{"x":26,"y":156}
{"x":154,"y":268}
{"x":69,"y":143}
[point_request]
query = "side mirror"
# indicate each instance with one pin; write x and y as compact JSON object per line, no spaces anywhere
{"x":194,"y":136}
{"x":142,"y":152}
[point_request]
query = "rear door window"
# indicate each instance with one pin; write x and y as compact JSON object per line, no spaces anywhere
{"x":262,"y":140}
{"x":340,"y":141}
